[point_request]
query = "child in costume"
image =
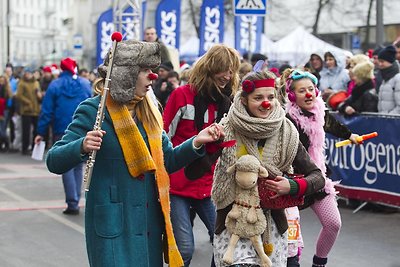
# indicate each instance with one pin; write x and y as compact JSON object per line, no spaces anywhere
{"x":127,"y":214}
{"x":307,"y":111}
{"x":257,"y":121}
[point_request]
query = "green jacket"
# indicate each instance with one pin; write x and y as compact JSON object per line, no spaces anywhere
{"x":123,"y":219}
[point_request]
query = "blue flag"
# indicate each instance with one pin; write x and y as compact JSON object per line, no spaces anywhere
{"x":211,"y":24}
{"x":168,"y":22}
{"x":242,"y":41}
{"x":105,"y":28}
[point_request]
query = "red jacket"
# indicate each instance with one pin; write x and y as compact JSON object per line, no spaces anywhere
{"x":179,"y":124}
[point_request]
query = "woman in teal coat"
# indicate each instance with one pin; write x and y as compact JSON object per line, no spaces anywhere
{"x":127,"y":219}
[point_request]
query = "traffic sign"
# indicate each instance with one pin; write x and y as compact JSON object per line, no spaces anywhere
{"x":250,"y":7}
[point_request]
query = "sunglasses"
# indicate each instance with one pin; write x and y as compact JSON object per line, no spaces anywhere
{"x":298,"y":74}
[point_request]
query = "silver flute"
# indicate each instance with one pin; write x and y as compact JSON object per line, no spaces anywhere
{"x":115,"y":37}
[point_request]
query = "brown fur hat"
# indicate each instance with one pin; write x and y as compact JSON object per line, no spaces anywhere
{"x":129,"y":58}
{"x":364,"y":70}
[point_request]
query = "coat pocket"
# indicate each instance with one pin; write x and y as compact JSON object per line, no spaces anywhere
{"x":108,"y":220}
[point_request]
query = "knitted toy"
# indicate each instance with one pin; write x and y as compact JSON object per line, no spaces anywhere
{"x":246,"y":218}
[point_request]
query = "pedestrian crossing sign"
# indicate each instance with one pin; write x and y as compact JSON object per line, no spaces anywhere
{"x":250,"y":7}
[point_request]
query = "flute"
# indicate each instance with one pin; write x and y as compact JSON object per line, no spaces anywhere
{"x":115,"y":37}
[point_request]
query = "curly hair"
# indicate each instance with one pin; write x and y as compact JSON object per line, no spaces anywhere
{"x":219,"y":58}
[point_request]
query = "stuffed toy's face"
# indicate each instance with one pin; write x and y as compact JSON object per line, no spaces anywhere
{"x":246,"y":180}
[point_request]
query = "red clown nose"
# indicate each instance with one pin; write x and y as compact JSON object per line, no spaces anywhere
{"x":308,"y":95}
{"x":266,"y":104}
{"x":152,"y":76}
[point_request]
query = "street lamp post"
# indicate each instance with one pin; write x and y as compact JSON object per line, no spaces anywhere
{"x":379,"y":22}
{"x":8,"y":30}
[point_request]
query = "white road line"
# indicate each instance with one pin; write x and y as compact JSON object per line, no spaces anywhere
{"x":52,"y":215}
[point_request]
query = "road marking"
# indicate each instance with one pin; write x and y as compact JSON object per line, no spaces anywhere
{"x":46,"y":212}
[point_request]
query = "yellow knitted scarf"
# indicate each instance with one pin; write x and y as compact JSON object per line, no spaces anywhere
{"x":139,"y":161}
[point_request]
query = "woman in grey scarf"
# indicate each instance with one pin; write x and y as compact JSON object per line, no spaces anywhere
{"x":257,"y":122}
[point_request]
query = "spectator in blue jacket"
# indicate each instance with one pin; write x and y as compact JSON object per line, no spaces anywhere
{"x":62,"y":98}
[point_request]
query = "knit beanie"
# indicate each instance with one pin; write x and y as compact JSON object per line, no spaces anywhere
{"x":364,"y":70}
{"x":130,"y":56}
{"x":167,"y":65}
{"x":388,"y":53}
{"x":377,"y":50}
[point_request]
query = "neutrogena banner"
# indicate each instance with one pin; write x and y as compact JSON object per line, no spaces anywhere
{"x":371,"y":171}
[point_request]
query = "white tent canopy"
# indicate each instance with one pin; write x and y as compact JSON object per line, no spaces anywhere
{"x":190,"y":48}
{"x":296,"y":47}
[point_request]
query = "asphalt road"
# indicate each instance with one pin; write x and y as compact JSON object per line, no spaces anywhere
{"x":35,"y":233}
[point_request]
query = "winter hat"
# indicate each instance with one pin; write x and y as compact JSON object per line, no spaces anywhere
{"x":47,"y":69}
{"x":28,"y":69}
{"x":388,"y":53}
{"x":130,"y":56}
{"x":184,"y":66}
{"x":54,"y":69}
{"x":377,"y":50}
{"x":358,"y":58}
{"x":68,"y":64}
{"x":167,"y":65}
{"x":364,"y":70}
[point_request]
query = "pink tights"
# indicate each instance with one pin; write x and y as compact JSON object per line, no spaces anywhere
{"x":328,"y":214}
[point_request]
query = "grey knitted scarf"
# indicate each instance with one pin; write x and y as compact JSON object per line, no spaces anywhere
{"x":279,"y":151}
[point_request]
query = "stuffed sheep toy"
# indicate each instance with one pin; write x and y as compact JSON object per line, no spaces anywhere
{"x":246,"y":218}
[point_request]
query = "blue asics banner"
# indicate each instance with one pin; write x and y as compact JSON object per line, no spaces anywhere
{"x":371,"y":171}
{"x":242,"y":36}
{"x":211,"y":24}
{"x":105,"y":28}
{"x":168,"y":22}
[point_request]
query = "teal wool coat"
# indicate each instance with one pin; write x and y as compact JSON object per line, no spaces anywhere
{"x":123,"y":219}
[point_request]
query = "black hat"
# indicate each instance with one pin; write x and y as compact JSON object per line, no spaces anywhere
{"x":167,"y":65}
{"x":377,"y":50}
{"x":388,"y":53}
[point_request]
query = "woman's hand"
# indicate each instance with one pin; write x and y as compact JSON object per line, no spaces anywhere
{"x":92,"y":141}
{"x":349,"y":110}
{"x":210,"y":134}
{"x":280,"y":185}
{"x":353,"y":139}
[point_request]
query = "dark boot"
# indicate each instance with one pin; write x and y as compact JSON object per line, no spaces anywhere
{"x":319,"y":262}
{"x":4,"y":144}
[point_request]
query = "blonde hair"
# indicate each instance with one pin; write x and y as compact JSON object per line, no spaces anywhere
{"x":219,"y":58}
{"x":364,"y":71}
{"x":7,"y":87}
{"x":356,"y":59}
{"x":244,"y":68}
{"x":153,"y":118}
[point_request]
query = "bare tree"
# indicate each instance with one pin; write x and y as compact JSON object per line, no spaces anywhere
{"x":321,"y":4}
{"x":365,"y":44}
{"x":194,"y":11}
